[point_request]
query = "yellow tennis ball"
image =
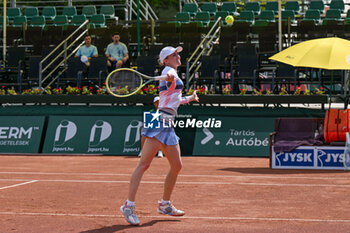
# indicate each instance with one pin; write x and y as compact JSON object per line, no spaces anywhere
{"x":229,"y":19}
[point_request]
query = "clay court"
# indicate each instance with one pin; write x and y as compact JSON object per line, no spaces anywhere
{"x":84,"y":193}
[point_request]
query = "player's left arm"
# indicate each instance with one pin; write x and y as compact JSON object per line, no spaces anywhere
{"x":190,"y":98}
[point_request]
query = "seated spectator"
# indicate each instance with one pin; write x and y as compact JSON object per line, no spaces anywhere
{"x":117,"y":53}
{"x":86,"y":52}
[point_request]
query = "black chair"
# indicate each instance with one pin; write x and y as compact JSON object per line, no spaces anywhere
{"x":243,"y":71}
{"x":52,"y":35}
{"x":74,"y":72}
{"x":14,"y":35}
{"x":34,"y":36}
{"x":243,"y":30}
{"x":97,"y":69}
{"x":33,"y":71}
{"x":209,"y":72}
{"x":147,"y":65}
{"x":15,"y":66}
{"x":226,"y":53}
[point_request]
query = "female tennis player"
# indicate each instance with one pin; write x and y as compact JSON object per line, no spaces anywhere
{"x":163,"y":139}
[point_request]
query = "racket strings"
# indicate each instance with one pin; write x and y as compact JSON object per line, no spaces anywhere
{"x":124,"y":82}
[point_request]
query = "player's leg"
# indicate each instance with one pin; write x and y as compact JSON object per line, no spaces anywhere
{"x":149,"y":149}
{"x":143,"y":138}
{"x":173,"y":154}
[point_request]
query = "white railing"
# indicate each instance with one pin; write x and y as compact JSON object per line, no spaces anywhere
{"x":193,"y":64}
{"x":63,"y":52}
{"x":146,"y":11}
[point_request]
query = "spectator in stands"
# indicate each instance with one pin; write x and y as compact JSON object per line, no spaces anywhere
{"x":86,"y":52}
{"x":117,"y":53}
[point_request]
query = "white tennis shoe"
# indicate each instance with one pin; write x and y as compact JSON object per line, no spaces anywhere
{"x":129,"y":214}
{"x":169,"y":209}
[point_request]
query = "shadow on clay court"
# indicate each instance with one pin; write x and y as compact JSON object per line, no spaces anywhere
{"x":116,"y":228}
{"x":254,"y":170}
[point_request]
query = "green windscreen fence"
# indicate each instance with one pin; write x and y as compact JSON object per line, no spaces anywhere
{"x":109,"y":135}
{"x":21,"y":134}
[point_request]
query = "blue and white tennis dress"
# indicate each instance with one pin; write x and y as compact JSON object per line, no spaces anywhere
{"x":170,"y":94}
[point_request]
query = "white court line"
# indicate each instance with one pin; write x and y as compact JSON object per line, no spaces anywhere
{"x":303,"y":185}
{"x":15,"y":185}
{"x":116,"y":181}
{"x":180,"y":182}
{"x":183,"y":175}
{"x":182,"y":217}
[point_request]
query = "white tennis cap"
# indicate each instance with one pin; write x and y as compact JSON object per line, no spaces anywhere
{"x":166,"y":51}
{"x":155,"y":99}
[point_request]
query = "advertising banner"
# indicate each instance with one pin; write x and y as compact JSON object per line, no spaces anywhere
{"x":21,"y":134}
{"x":113,"y":135}
{"x":309,"y":157}
{"x":235,"y":137}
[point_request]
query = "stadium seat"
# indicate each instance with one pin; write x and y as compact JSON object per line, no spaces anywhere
{"x":223,"y":15}
{"x":253,"y":6}
{"x":313,"y":15}
{"x":288,"y":14}
{"x":144,"y":32}
{"x":52,"y":35}
{"x":337,"y":4}
{"x":38,"y":21}
{"x":74,"y":72}
{"x":316,"y":5}
{"x":209,"y":73}
{"x":246,"y":16}
{"x":30,"y":12}
{"x":332,"y":15}
{"x":231,"y":7}
{"x":12,"y":12}
{"x":292,"y":5}
{"x":33,"y":36}
{"x":347,"y":18}
{"x":78,"y":20}
{"x":247,"y":62}
{"x":284,"y":75}
{"x":191,"y":8}
{"x":202,"y":18}
{"x":18,"y":21}
{"x":272,"y":6}
{"x":33,"y":70}
{"x":183,"y":17}
{"x":49,"y":12}
{"x":14,"y":35}
{"x":147,"y":65}
{"x":97,"y":70}
{"x":108,"y":11}
{"x":89,"y":11}
{"x":2,"y":21}
{"x":209,"y":7}
{"x":98,"y":21}
{"x":265,"y":17}
{"x":69,"y":11}
{"x":61,"y":20}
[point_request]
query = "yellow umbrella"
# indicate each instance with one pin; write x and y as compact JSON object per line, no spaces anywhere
{"x":326,"y":53}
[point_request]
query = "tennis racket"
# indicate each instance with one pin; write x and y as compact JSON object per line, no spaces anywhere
{"x":346,"y":159}
{"x":125,"y":82}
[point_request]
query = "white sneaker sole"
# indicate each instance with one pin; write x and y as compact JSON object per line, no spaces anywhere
{"x":161,"y":212}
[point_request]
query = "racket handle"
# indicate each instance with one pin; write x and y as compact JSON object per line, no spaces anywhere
{"x":162,"y":77}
